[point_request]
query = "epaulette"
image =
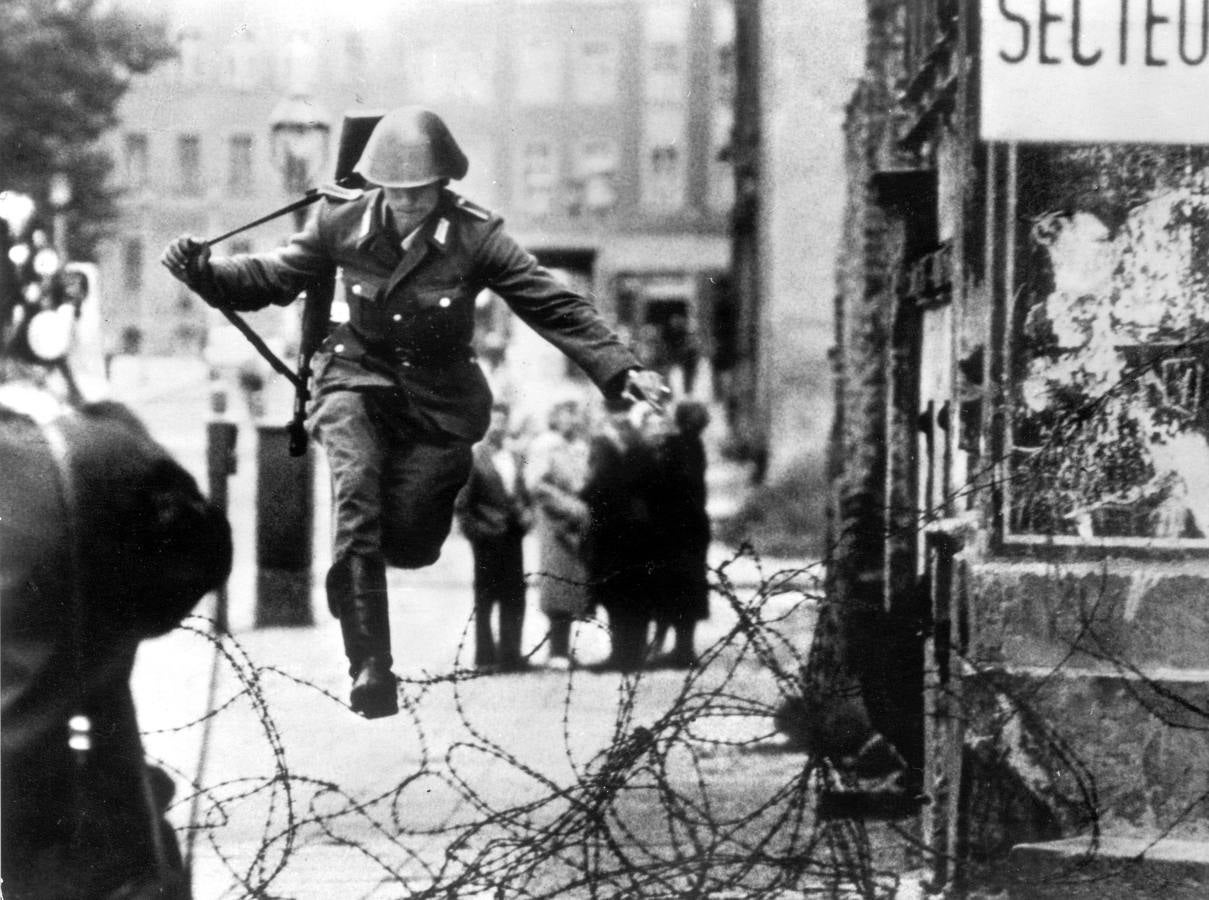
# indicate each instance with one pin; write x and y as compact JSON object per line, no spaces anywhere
{"x":336,"y":192}
{"x":473,"y":208}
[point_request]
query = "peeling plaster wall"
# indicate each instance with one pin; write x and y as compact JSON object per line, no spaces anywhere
{"x":1080,"y":607}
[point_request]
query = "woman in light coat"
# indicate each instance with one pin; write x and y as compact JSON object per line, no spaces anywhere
{"x":555,"y":476}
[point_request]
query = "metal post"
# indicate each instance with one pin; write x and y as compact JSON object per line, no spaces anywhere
{"x":284,"y":520}
{"x":220,"y":464}
{"x":298,"y":132}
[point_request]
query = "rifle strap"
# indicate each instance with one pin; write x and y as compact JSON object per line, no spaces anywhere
{"x":263,"y":349}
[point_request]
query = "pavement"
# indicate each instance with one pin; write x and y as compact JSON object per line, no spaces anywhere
{"x":544,"y":783}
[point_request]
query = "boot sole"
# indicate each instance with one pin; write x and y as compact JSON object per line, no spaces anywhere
{"x":374,"y":702}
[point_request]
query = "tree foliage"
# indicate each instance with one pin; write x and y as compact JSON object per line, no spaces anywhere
{"x":64,"y":67}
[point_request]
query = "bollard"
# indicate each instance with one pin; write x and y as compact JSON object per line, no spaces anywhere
{"x":220,"y":464}
{"x":284,"y":521}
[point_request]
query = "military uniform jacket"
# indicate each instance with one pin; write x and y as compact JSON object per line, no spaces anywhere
{"x":411,"y":312}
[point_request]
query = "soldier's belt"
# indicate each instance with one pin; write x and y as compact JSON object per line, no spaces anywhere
{"x":399,"y":355}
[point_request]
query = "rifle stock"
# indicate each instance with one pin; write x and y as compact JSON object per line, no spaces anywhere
{"x":316,"y":322}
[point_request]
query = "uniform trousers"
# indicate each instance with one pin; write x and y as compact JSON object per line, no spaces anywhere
{"x":394,"y":482}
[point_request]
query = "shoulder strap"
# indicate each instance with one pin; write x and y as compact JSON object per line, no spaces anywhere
{"x":470,"y":207}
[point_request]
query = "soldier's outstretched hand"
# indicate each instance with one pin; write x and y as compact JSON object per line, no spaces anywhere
{"x":647,"y":386}
{"x":188,"y":259}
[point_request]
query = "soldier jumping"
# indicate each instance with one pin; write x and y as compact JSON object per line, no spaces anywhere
{"x":399,"y":399}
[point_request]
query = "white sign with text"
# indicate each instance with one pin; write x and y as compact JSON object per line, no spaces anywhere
{"x":1095,"y":71}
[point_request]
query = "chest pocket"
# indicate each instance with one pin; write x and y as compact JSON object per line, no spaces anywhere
{"x":363,"y":294}
{"x":433,"y":318}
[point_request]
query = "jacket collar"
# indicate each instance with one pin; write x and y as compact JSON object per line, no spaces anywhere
{"x":378,"y":238}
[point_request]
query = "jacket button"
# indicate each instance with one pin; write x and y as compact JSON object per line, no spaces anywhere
{"x":339,"y":348}
{"x":397,"y":317}
{"x":357,"y":289}
{"x":444,"y":301}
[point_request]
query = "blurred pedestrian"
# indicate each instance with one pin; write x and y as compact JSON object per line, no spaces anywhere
{"x":622,"y":544}
{"x":106,"y":541}
{"x":494,"y":513}
{"x":399,"y":397}
{"x":556,"y":470}
{"x":683,"y":597}
{"x":683,"y":351}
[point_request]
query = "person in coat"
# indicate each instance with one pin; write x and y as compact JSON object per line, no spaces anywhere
{"x":494,"y":513}
{"x":106,"y":542}
{"x":399,"y":399}
{"x":683,"y":598}
{"x":622,"y":542}
{"x":556,"y":473}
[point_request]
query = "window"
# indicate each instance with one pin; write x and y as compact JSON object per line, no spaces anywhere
{"x":189,"y":56}
{"x":596,"y":171}
{"x":724,"y":73}
{"x":721,"y":173}
{"x":665,"y":37}
{"x":539,"y":70}
{"x":300,"y":64}
{"x":188,"y":157}
{"x":354,"y":55}
{"x":240,"y":72}
{"x":132,"y":265}
{"x":664,"y":170}
{"x":724,"y":51}
{"x":665,"y":73}
{"x":440,"y":71}
{"x":595,"y":72}
{"x":663,"y":164}
{"x":134,"y":160}
{"x":539,"y":178}
{"x":239,"y":164}
{"x":480,"y":183}
{"x":475,"y":68}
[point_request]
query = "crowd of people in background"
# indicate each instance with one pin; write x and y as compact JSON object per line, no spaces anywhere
{"x":618,"y":503}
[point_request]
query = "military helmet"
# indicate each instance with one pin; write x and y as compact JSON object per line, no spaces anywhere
{"x":411,"y":147}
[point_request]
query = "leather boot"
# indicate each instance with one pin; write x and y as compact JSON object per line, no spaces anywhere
{"x":375,"y":693}
{"x":357,"y":590}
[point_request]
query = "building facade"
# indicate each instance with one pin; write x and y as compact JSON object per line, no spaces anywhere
{"x":1018,"y":564}
{"x":796,"y":67}
{"x":596,"y":128}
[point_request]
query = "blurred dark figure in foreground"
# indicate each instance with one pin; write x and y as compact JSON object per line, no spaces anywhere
{"x":682,"y":599}
{"x":622,"y":544}
{"x":555,"y":472}
{"x":106,"y":541}
{"x":494,"y":513}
